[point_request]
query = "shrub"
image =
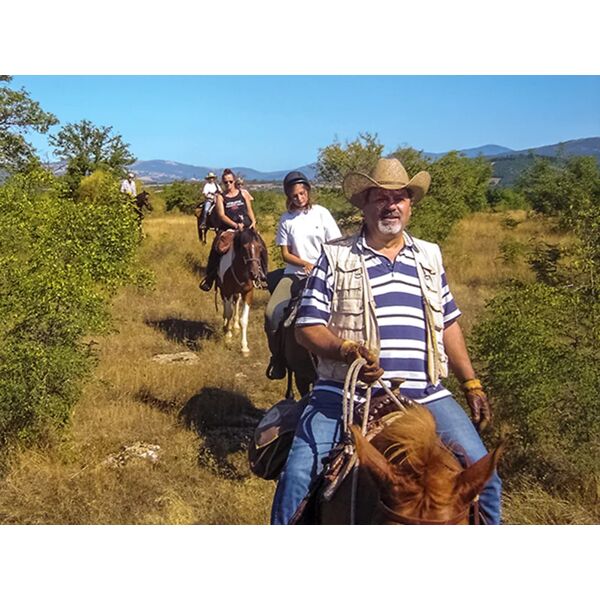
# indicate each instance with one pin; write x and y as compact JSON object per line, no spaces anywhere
{"x":59,"y":262}
{"x":182,"y":195}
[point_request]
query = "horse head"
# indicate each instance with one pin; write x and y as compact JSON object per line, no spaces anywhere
{"x":418,"y":478}
{"x":142,"y":201}
{"x":247,"y":246}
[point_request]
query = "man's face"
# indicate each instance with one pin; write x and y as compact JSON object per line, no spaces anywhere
{"x":387,"y":211}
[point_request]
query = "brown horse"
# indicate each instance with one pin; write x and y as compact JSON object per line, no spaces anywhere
{"x":240,"y":271}
{"x":211,"y":221}
{"x":406,"y":475}
{"x":139,"y":203}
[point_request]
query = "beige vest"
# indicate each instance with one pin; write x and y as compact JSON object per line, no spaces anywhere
{"x":353,"y":308}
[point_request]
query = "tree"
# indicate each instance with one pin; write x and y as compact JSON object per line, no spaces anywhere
{"x":18,"y":115}
{"x":413,"y":160}
{"x":87,"y":148}
{"x":335,"y":161}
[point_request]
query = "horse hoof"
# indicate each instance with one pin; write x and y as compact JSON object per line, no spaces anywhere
{"x":228,"y":335}
{"x":246,"y":351}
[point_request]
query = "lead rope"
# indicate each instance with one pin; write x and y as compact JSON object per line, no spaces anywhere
{"x":348,"y":420}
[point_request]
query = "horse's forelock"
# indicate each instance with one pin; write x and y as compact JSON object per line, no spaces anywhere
{"x":413,"y":438}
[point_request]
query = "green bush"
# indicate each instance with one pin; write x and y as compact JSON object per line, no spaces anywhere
{"x":539,"y":347}
{"x":59,"y":263}
{"x":182,"y":195}
{"x":501,"y":199}
{"x":540,"y":341}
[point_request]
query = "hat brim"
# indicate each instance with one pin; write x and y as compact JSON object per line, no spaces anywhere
{"x":355,"y":184}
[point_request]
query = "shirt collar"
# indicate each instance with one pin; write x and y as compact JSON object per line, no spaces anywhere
{"x":363,"y":246}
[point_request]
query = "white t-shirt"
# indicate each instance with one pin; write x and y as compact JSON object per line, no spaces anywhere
{"x":128,"y":187}
{"x":305,"y":233}
{"x":210,"y":189}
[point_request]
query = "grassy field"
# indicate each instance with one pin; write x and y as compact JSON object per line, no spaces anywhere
{"x":201,"y":415}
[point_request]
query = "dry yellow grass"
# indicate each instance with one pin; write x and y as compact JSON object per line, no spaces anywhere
{"x":200,"y":415}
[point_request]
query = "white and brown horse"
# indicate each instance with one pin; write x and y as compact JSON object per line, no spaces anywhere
{"x":240,"y":271}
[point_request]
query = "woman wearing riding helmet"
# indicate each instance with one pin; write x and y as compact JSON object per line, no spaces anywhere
{"x":301,"y":232}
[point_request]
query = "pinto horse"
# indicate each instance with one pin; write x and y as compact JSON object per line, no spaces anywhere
{"x":240,"y":271}
{"x":407,"y":476}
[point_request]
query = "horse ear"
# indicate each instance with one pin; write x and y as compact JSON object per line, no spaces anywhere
{"x":372,"y":460}
{"x":471,"y":481}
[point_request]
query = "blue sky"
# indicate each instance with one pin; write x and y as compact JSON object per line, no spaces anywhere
{"x":280,"y":122}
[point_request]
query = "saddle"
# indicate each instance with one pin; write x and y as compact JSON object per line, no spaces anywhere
{"x":224,"y":241}
{"x":287,"y":320}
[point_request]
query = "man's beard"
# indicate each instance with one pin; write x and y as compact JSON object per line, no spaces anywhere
{"x":392,"y":227}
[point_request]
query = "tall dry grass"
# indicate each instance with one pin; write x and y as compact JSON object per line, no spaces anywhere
{"x":201,"y":415}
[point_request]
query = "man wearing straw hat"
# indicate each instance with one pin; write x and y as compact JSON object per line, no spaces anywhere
{"x":209,"y":192}
{"x":382,"y":294}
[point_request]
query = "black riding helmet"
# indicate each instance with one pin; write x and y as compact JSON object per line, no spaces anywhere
{"x":294,"y":177}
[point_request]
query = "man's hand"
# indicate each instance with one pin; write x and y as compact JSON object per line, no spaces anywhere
{"x":369,"y":373}
{"x":481,"y":411}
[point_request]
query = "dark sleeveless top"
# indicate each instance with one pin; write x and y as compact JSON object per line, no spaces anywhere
{"x":235,"y":208}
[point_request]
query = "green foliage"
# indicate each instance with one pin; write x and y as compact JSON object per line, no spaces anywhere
{"x":19,"y":114}
{"x":458,"y":186}
{"x":413,"y":160}
{"x":539,"y":347}
{"x":540,"y":341}
{"x":335,"y":160}
{"x":182,"y":195}
{"x":501,"y":199}
{"x":511,"y":250}
{"x":87,"y":148}
{"x":59,"y":263}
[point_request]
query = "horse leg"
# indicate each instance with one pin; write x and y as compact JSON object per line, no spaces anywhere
{"x":227,"y":315}
{"x":246,"y":301}
{"x":236,"y":313}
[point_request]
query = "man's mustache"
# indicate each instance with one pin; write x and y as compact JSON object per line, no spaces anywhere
{"x":390,"y":215}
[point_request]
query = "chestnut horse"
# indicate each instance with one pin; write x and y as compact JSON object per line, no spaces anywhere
{"x":240,"y":272}
{"x":406,"y":475}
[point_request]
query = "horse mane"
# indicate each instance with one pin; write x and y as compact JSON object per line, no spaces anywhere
{"x":245,"y":236}
{"x":419,"y":458}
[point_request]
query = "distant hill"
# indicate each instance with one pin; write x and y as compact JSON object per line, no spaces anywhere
{"x":164,"y":171}
{"x":487,"y":151}
{"x":507,"y":163}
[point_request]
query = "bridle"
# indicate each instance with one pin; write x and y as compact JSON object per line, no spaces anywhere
{"x":246,"y":260}
{"x":401,"y":519}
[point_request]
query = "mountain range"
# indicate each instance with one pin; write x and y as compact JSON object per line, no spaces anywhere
{"x":507,"y":163}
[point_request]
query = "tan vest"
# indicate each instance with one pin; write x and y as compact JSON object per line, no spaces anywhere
{"x":353,"y":308}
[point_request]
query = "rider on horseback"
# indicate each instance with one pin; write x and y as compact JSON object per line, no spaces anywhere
{"x":301,"y":233}
{"x":234,"y":209}
{"x":209,"y":192}
{"x":382,"y":295}
{"x":128,"y":186}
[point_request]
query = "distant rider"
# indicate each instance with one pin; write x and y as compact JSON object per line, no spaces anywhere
{"x":128,"y":186}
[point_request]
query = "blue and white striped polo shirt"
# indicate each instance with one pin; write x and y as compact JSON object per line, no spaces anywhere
{"x":400,"y":314}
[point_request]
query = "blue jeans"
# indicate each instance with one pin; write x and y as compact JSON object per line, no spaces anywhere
{"x":320,"y":428}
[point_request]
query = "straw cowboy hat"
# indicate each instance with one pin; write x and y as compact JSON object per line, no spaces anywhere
{"x":388,"y":174}
{"x":211,"y":175}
